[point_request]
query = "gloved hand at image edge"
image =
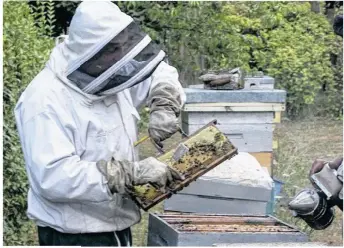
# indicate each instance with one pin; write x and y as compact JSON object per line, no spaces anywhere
{"x":165,"y":104}
{"x":319,"y":164}
{"x":122,"y":176}
{"x":336,"y":164}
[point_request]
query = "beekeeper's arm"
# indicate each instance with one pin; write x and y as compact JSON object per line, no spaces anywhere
{"x":58,"y":173}
{"x":165,"y":97}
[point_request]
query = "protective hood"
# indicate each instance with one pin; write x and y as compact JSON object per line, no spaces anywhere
{"x":105,"y":51}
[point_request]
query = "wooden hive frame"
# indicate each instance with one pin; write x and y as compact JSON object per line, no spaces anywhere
{"x":208,"y":147}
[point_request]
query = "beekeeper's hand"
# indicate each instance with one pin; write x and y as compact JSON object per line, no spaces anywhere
{"x":163,"y":123}
{"x":122,"y":176}
{"x":319,"y":164}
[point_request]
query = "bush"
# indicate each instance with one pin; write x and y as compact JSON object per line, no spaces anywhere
{"x":26,"y":49}
{"x":285,"y":40}
{"x":297,"y":50}
{"x":143,"y":123}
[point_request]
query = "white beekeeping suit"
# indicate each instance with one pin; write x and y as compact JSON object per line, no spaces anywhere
{"x":82,"y":109}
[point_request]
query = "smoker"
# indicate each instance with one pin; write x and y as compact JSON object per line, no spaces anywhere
{"x":315,"y":205}
{"x":311,"y":206}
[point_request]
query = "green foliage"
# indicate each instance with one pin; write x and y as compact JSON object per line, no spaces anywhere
{"x":26,"y":50}
{"x":68,"y":6}
{"x":143,"y":123}
{"x":285,"y":40}
{"x":44,"y":15}
{"x":294,"y":46}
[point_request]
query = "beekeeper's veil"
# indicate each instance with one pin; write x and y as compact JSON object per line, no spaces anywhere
{"x":106,"y":51}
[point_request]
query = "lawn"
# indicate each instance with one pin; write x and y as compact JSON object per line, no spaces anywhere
{"x":300,"y":143}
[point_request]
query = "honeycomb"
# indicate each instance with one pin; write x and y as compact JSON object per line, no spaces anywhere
{"x":207,"y":148}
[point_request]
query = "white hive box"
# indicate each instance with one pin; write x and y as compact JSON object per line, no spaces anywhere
{"x":246,"y":116}
{"x":237,"y":186}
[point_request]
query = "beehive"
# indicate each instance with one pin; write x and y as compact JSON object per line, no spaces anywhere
{"x":247,"y":117}
{"x":207,"y":230}
{"x":236,"y":186}
{"x":208,"y":147}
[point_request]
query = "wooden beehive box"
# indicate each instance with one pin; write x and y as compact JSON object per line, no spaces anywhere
{"x":208,"y":147}
{"x":207,"y":230}
{"x":236,"y":186}
{"x":247,"y":117}
{"x":219,"y":197}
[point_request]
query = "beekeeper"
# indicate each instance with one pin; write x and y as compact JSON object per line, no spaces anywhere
{"x":77,"y":126}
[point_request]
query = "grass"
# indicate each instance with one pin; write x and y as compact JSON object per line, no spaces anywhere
{"x":300,"y":143}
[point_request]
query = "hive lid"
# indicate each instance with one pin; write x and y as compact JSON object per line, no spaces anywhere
{"x":199,"y":95}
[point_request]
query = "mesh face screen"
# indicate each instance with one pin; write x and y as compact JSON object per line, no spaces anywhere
{"x":112,"y":53}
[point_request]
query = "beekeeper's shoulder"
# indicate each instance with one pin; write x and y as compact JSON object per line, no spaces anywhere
{"x":45,"y":93}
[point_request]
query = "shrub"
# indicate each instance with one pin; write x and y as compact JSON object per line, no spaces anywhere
{"x":285,"y":40}
{"x":26,"y":49}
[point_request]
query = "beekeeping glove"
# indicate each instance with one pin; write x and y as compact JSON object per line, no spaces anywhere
{"x":319,"y":164}
{"x":165,"y":104}
{"x":122,"y":176}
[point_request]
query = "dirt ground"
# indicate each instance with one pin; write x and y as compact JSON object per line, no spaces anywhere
{"x":300,"y":143}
